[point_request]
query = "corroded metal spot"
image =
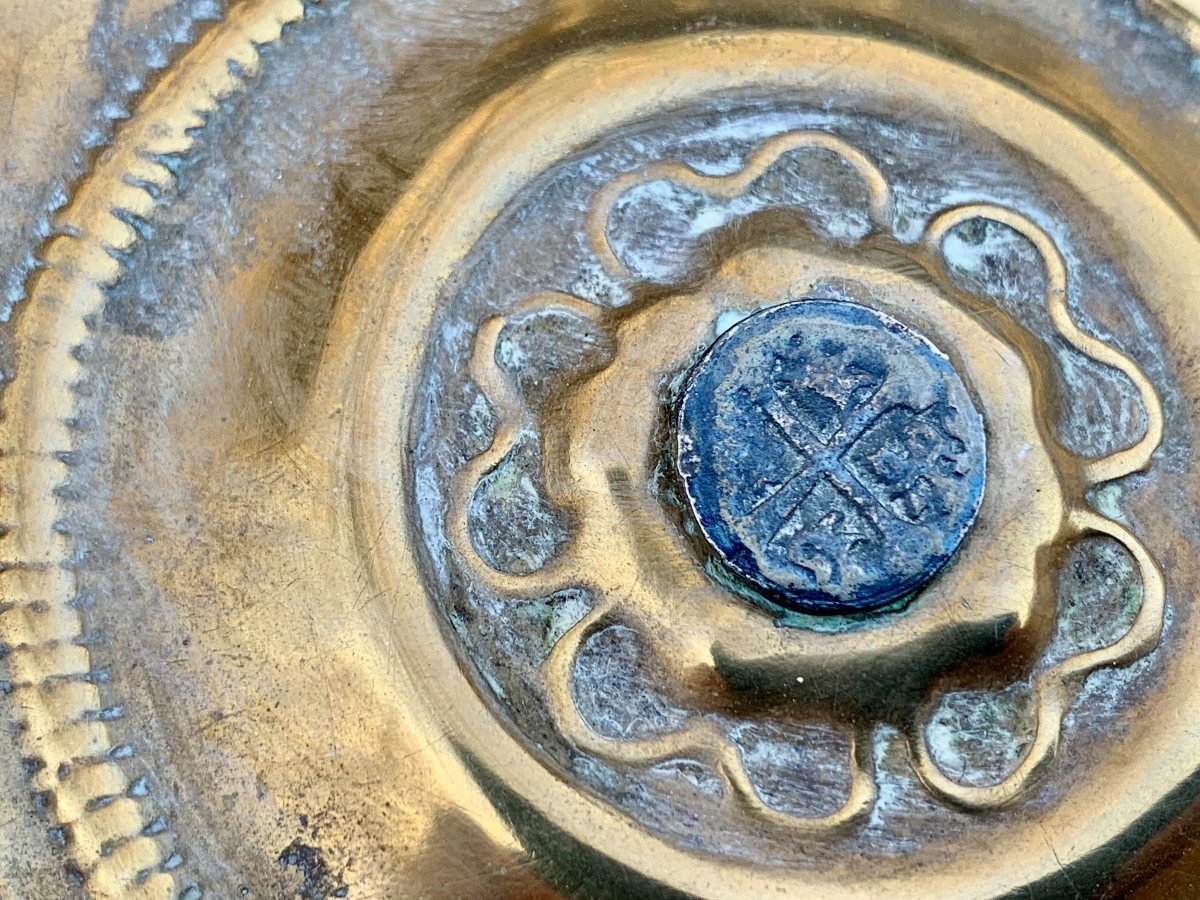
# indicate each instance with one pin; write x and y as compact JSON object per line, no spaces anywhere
{"x":831,"y":455}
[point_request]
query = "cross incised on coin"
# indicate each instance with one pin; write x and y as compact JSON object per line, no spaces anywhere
{"x":832,"y":457}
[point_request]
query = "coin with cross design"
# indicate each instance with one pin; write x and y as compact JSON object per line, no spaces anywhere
{"x":832,"y":457}
{"x":408,"y":437}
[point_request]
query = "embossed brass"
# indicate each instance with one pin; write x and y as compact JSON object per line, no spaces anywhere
{"x":373,"y":530}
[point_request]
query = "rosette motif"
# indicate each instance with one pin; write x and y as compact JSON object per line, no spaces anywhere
{"x":826,"y":520}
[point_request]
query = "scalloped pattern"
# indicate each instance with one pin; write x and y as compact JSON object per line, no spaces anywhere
{"x":113,"y":836}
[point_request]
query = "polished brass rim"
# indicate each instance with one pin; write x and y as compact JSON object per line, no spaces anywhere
{"x":401,"y":275}
{"x":49,"y":669}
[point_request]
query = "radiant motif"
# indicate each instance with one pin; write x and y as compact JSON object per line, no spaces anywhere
{"x":832,"y":457}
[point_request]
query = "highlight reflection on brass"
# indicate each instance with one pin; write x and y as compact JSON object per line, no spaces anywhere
{"x":388,"y":539}
{"x":601,"y":439}
{"x":600,"y":457}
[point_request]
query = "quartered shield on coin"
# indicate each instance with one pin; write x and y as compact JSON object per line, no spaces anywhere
{"x":571,"y":449}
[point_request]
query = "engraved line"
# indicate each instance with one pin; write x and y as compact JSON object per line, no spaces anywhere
{"x":771,"y":495}
{"x":785,"y":519}
{"x":776,"y":419}
{"x":841,"y":443}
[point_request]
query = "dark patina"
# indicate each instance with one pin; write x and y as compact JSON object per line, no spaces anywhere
{"x":832,"y":457}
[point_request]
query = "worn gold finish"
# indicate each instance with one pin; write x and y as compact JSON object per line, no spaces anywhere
{"x":300,"y":563}
{"x":47,"y":667}
{"x":623,"y":549}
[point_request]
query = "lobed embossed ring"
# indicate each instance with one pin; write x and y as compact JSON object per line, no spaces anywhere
{"x":740,"y":463}
{"x":566,"y":544}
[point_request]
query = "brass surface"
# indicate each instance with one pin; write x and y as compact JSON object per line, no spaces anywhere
{"x":236,"y":662}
